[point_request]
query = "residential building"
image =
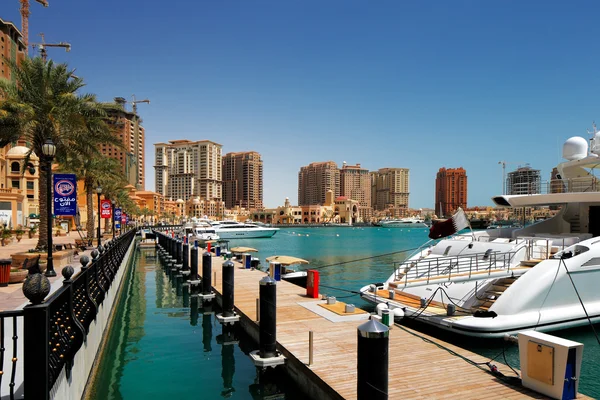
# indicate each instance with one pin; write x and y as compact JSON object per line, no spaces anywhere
{"x":450,"y":191}
{"x":185,"y":169}
{"x":524,"y":180}
{"x":19,"y":203}
{"x":355,"y":184}
{"x":201,"y":208}
{"x":390,"y":190}
{"x":315,"y":179}
{"x":131,"y":136}
{"x":243,"y":180}
{"x":12,"y":48}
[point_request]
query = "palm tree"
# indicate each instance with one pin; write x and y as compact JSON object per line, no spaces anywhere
{"x":43,"y":103}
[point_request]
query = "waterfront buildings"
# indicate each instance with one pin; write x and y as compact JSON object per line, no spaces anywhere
{"x":355,"y":184}
{"x":187,"y":169}
{"x":131,"y":135}
{"x":450,"y":191}
{"x":315,"y":179}
{"x":243,"y":180}
{"x":390,"y":191}
{"x":524,"y":180}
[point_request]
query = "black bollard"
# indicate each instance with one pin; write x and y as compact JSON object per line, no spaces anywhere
{"x":228,"y":289}
{"x":186,"y":257}
{"x":206,"y":273}
{"x":373,"y":359}
{"x":194,"y":264}
{"x":268,"y":321}
{"x":185,"y":288}
{"x":178,"y":243}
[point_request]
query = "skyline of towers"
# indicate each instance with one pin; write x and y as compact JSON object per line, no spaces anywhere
{"x":315,"y":179}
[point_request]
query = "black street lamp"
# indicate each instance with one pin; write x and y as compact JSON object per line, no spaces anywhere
{"x":99,"y":191}
{"x":49,"y":151}
{"x":112,"y":202}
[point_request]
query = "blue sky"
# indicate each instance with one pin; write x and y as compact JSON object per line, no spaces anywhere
{"x":419,"y":85}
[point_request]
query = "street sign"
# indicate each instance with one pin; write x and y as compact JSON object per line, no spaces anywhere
{"x":118,"y":212}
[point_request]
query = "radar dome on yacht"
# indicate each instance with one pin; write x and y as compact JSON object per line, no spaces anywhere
{"x":575,"y":148}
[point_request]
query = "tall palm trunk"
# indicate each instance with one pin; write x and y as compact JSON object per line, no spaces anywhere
{"x":89,"y":195}
{"x":43,"y":203}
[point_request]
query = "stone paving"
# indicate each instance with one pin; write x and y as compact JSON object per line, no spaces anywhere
{"x":11,"y":296}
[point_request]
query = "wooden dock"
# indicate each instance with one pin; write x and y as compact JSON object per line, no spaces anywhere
{"x":418,"y":368}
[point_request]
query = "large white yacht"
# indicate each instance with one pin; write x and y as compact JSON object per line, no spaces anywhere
{"x":490,"y":283}
{"x":234,"y":229}
{"x":403,"y":223}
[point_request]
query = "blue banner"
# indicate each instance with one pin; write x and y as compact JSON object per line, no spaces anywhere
{"x":118,"y":215}
{"x":65,"y":194}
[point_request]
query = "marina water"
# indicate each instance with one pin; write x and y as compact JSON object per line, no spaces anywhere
{"x":154,"y":348}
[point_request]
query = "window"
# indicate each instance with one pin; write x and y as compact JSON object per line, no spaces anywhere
{"x":16,"y":184}
{"x":29,"y":185}
{"x":15,"y":167}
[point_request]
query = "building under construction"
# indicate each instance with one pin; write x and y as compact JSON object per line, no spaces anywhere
{"x":524,"y":180}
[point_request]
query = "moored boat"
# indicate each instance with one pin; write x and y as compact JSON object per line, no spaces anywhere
{"x":403,"y":223}
{"x":501,"y":281}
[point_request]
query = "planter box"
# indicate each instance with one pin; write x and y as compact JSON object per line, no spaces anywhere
{"x":17,"y":277}
{"x":60,"y":258}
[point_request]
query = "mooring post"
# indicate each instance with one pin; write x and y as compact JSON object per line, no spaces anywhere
{"x":206,"y":273}
{"x":194,"y":311}
{"x":186,"y":257}
{"x":228,"y":315}
{"x":193,"y":277}
{"x":267,"y":355}
{"x":178,"y":244}
{"x":373,"y":360}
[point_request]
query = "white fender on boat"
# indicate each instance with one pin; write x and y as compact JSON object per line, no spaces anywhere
{"x":379,"y":307}
{"x":398,"y":313}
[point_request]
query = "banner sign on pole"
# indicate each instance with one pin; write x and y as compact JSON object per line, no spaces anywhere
{"x":105,"y":209}
{"x":123,"y":218}
{"x":65,"y":194}
{"x":117,"y":215}
{"x":126,"y":219}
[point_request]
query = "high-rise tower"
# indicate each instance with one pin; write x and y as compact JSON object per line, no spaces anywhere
{"x":243,"y":180}
{"x":315,"y":179}
{"x":450,"y":191}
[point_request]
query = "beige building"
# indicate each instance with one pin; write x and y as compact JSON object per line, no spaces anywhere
{"x":131,"y":135}
{"x":355,"y":184}
{"x":12,"y":48}
{"x":315,"y":179}
{"x":18,"y":191}
{"x":243,"y":180}
{"x":390,"y":189}
{"x":186,"y":169}
{"x":201,"y":208}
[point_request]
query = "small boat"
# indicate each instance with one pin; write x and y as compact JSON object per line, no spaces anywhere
{"x":237,"y":230}
{"x":290,"y":274}
{"x":403,"y":223}
{"x":200,"y":231}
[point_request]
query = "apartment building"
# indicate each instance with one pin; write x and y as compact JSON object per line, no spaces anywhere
{"x":243,"y":180}
{"x":450,"y":191}
{"x":315,"y":179}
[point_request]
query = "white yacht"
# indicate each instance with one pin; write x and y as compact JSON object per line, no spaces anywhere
{"x":501,"y":281}
{"x":234,"y":229}
{"x":403,"y":223}
{"x":200,"y":231}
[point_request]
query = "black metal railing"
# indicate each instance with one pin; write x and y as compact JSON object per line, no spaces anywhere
{"x":9,"y":358}
{"x":56,"y":329}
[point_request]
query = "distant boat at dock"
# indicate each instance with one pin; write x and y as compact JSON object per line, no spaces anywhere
{"x":403,"y":223}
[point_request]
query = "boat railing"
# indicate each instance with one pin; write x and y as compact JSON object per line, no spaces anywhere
{"x":428,"y":269}
{"x":571,"y":185}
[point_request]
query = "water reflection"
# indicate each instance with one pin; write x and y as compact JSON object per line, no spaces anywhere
{"x":207,"y":328}
{"x":227,"y":340}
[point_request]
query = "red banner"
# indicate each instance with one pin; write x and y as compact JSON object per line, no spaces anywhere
{"x":105,"y":209}
{"x":123,"y":218}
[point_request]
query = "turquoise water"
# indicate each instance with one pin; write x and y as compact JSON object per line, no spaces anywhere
{"x":325,"y":246}
{"x":159,"y":348}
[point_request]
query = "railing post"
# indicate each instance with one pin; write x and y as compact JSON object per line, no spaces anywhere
{"x":36,"y":357}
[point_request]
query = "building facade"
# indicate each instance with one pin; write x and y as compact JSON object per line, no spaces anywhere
{"x":315,"y":179}
{"x":11,"y":48}
{"x":450,"y":191}
{"x":524,"y":180}
{"x":390,"y":189}
{"x":243,"y":180}
{"x":186,"y":169}
{"x":131,"y":135}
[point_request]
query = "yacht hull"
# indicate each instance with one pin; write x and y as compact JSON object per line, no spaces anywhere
{"x":247,"y":234}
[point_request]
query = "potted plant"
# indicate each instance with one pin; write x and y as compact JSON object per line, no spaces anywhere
{"x":32,"y":232}
{"x":6,"y":235}
{"x":19,"y":233}
{"x":58,"y":232}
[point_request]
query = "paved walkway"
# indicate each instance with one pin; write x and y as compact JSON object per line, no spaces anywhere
{"x":11,"y":296}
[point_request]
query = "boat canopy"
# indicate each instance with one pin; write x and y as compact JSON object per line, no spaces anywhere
{"x":526,"y":200}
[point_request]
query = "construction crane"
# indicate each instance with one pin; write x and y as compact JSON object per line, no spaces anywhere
{"x":42,"y":46}
{"x":25,"y":18}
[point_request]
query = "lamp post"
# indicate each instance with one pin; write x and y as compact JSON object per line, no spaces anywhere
{"x":99,"y":191}
{"x":49,"y":150}
{"x":112,"y":202}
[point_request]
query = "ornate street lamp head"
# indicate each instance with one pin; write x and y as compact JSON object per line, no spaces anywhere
{"x":49,"y":149}
{"x":99,"y":189}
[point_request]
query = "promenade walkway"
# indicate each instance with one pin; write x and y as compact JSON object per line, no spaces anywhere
{"x":11,"y":296}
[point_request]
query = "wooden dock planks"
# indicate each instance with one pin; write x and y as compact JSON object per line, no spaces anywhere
{"x":418,"y":369}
